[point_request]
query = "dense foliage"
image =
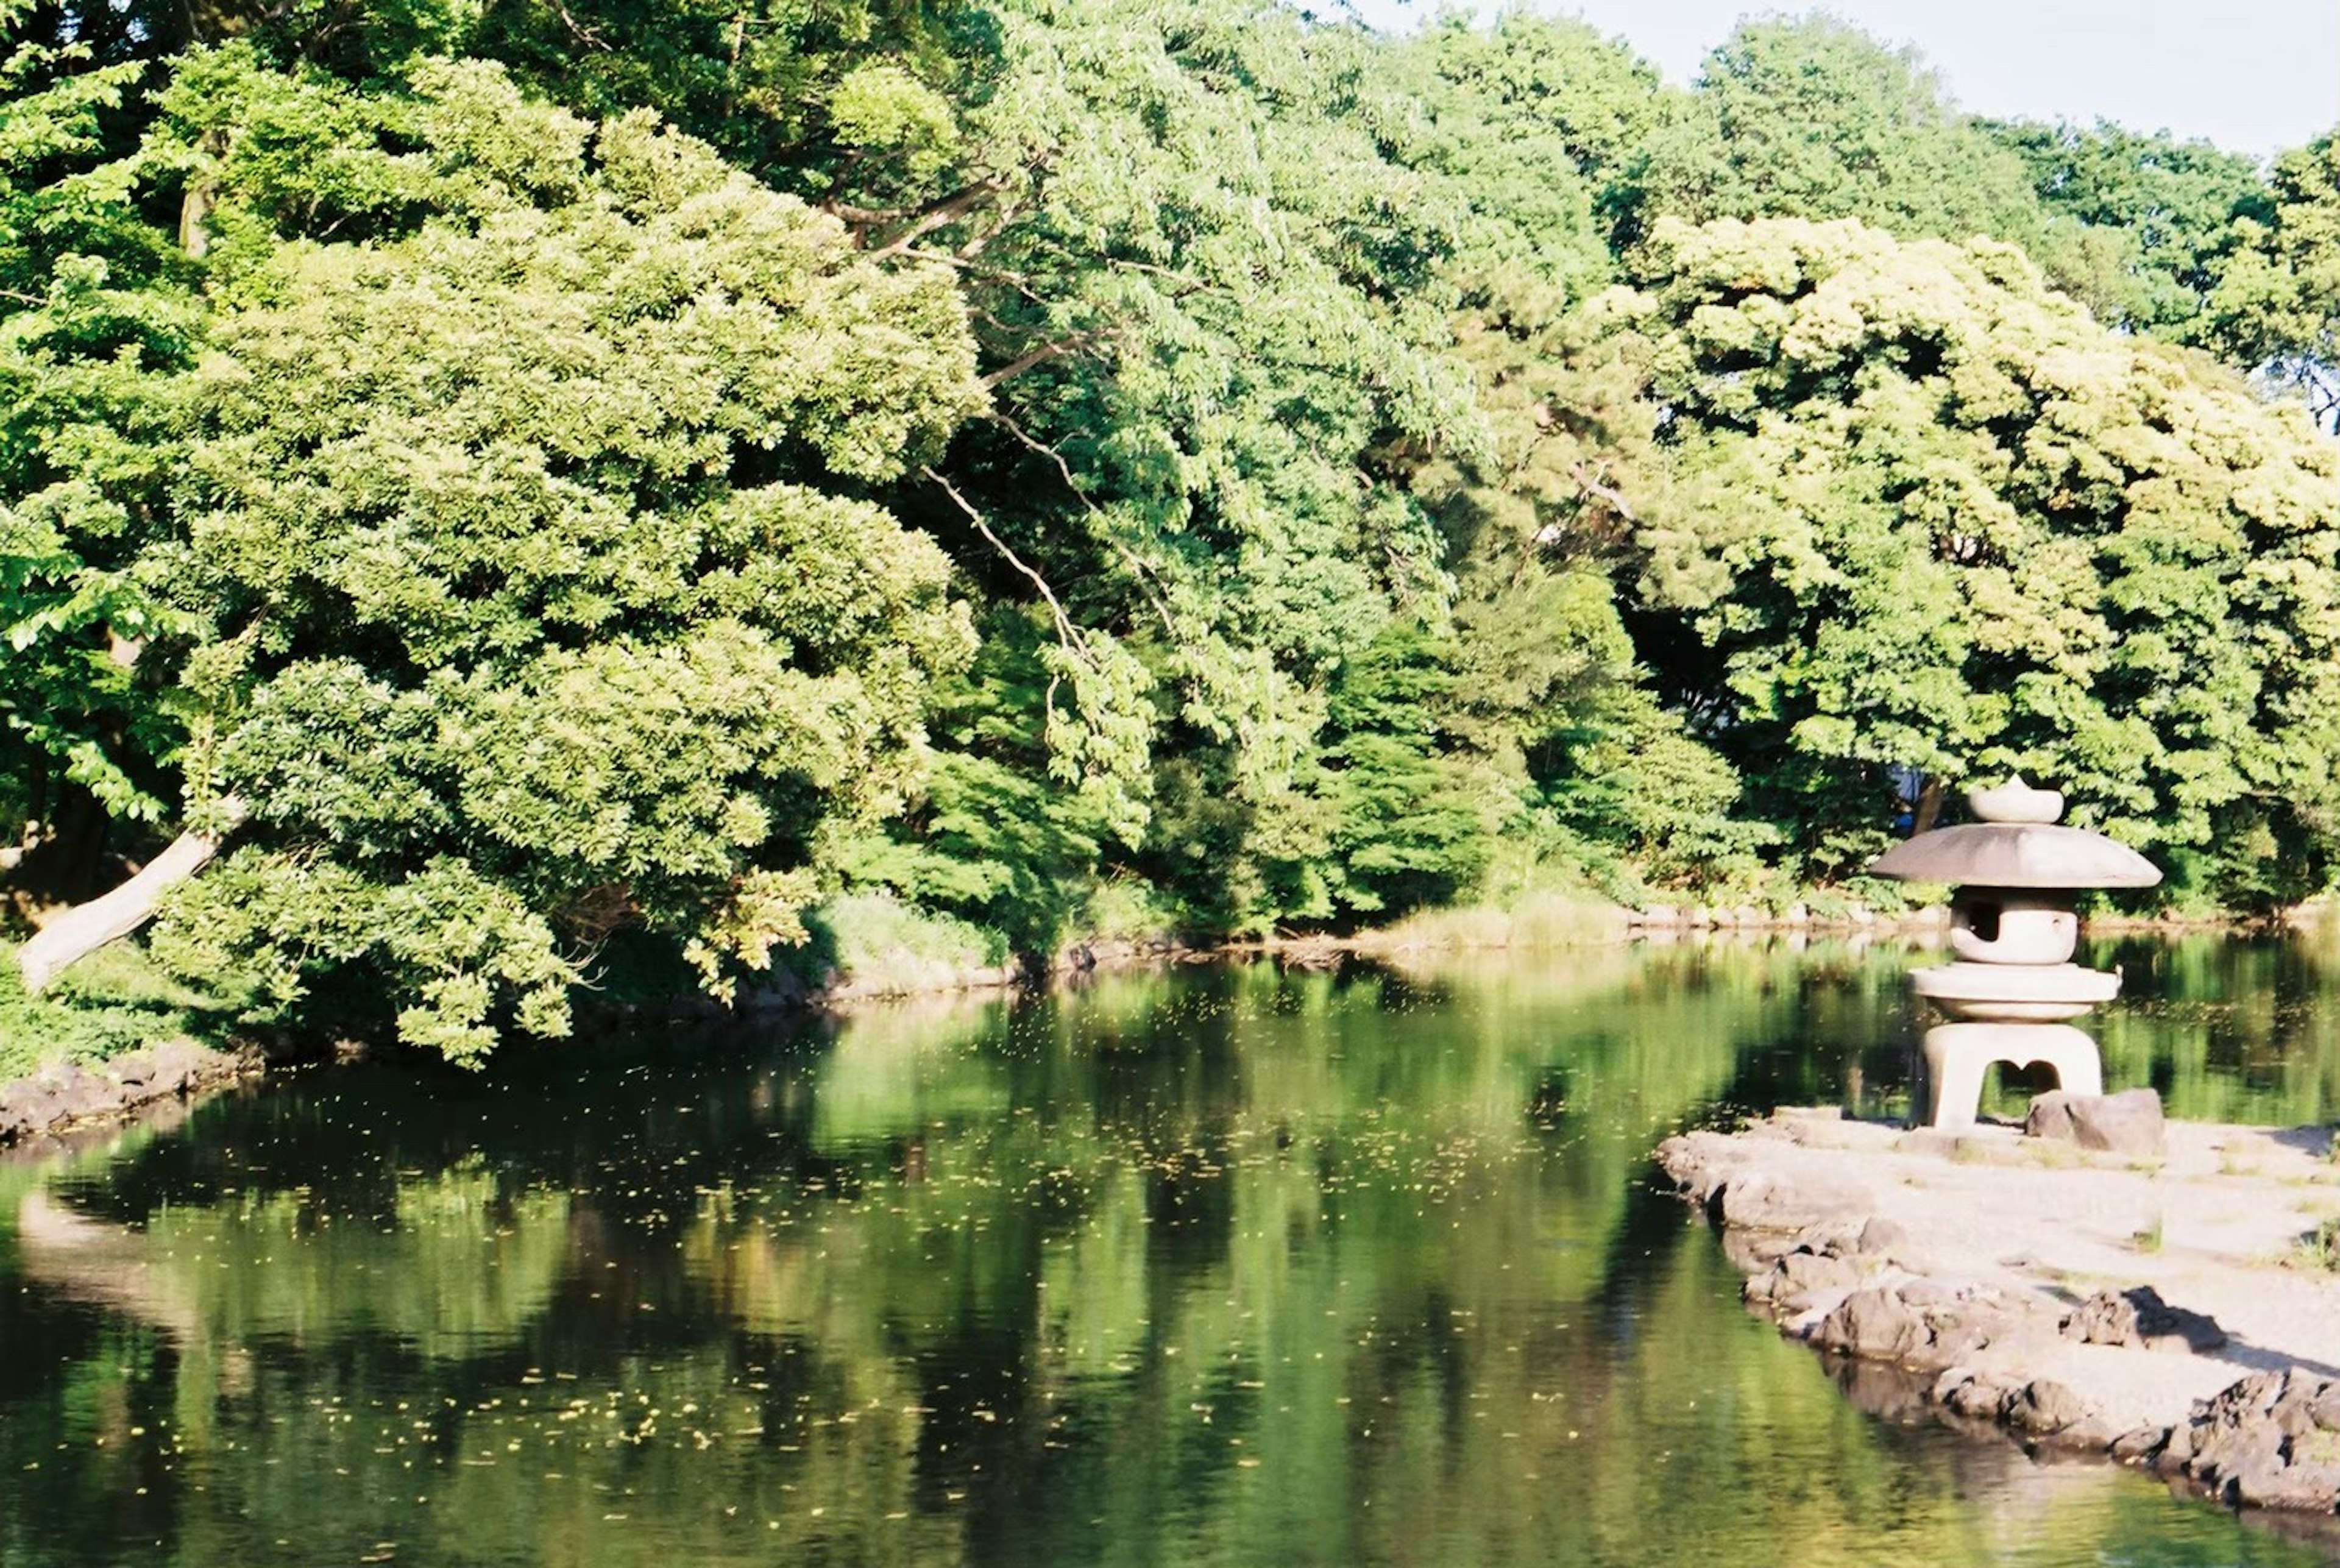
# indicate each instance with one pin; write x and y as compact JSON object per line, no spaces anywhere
{"x":530,"y":477}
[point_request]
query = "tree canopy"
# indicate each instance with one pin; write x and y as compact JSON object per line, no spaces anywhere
{"x":1930,"y":513}
{"x":512,"y":482}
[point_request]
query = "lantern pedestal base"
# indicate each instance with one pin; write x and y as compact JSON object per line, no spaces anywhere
{"x":1957,"y":1055}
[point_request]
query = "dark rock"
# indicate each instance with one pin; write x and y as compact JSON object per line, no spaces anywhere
{"x":1964,"y":1335}
{"x":135,"y":1071}
{"x":2128,"y":1123}
{"x":2043,"y":1406}
{"x":1754,"y":1251}
{"x":2140,"y":1318}
{"x":1817,"y":1271}
{"x":60,"y":1095}
{"x":86,"y":1095}
{"x":2292,"y":1410}
{"x":1876,"y":1325}
{"x":1980,"y":1398}
{"x":2258,"y":1443}
{"x":1830,"y":1238}
{"x":2312,"y":1485}
{"x":38,"y":1109}
{"x":178,"y":1065}
{"x":2176,"y":1452}
{"x":1802,"y":1274}
{"x":2141,"y":1446}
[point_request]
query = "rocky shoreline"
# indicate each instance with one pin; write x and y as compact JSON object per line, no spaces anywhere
{"x":65,"y":1097}
{"x":2167,"y":1313}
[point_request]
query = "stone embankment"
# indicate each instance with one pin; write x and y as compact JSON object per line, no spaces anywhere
{"x":59,"y":1098}
{"x":1670,"y":921}
{"x":2177,"y":1310}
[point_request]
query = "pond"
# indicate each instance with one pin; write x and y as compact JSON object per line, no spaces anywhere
{"x":1232,"y":1266}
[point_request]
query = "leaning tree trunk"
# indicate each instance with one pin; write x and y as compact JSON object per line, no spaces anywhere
{"x":1929,"y":805}
{"x":85,"y":927}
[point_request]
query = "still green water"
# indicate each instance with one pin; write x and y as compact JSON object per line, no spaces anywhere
{"x":1230,"y":1266}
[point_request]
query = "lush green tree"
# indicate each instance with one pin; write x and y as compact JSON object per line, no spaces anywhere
{"x":1002,"y":831}
{"x":2277,"y":304}
{"x":92,"y":302}
{"x":1930,"y":513}
{"x":1809,"y":117}
{"x":1538,"y":122}
{"x":524,"y":580}
{"x":1210,"y":317}
{"x":2152,"y":217}
{"x":852,"y":97}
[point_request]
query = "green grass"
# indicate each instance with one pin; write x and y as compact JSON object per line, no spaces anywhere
{"x":112,"y":1002}
{"x":2319,"y":1249}
{"x":1126,"y":910}
{"x":1544,"y":918}
{"x":880,"y":944}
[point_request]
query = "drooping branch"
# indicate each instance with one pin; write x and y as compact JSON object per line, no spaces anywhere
{"x":1148,"y":579}
{"x":588,"y":36}
{"x":85,"y":927}
{"x":1068,"y":634}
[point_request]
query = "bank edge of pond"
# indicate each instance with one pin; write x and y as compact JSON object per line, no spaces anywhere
{"x":66,"y":1096}
{"x":63,"y":1097}
{"x":1462,"y":929}
{"x":1994,"y":1281}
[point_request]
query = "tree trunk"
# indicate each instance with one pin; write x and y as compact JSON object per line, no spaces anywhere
{"x":202,"y":192}
{"x":85,"y":927}
{"x":1929,"y":807}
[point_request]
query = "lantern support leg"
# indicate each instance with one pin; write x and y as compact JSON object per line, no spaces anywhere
{"x":1957,"y":1055}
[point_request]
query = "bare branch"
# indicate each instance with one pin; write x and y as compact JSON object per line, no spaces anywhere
{"x":1069,"y":635}
{"x":586,"y":35}
{"x":944,"y":211}
{"x":979,"y":274}
{"x":1594,"y":487}
{"x":1147,"y":581}
{"x":922,"y":219}
{"x":1032,"y":358}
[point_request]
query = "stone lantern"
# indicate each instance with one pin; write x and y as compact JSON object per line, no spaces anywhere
{"x":2014,"y":922}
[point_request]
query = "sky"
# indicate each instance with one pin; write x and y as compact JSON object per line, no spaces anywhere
{"x":2253,"y":76}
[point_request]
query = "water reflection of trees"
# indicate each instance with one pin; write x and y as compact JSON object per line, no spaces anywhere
{"x":2229,"y":1030}
{"x":1241,"y":1267}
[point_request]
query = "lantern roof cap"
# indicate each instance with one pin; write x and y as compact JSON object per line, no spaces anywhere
{"x":2017,"y":844}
